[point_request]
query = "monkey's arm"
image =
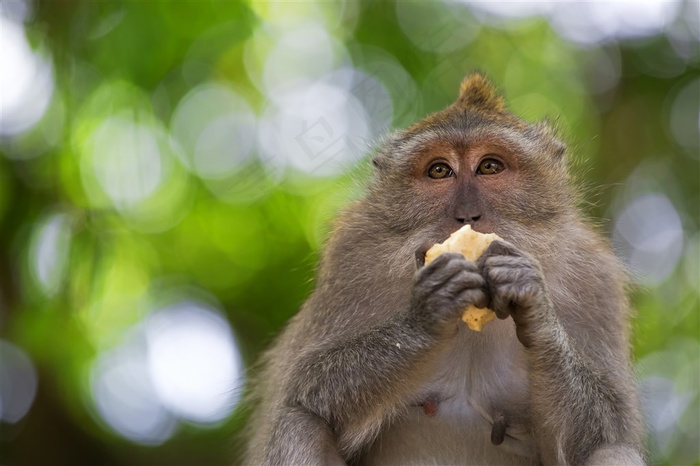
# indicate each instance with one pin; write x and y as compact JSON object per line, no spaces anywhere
{"x":297,"y":437}
{"x":355,"y":385}
{"x":582,"y":408}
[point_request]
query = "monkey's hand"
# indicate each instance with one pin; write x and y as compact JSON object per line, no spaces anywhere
{"x":442,"y":290}
{"x":516,"y":288}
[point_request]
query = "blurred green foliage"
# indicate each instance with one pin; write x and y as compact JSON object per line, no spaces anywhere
{"x":97,"y":232}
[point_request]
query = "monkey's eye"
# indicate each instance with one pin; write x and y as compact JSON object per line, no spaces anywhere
{"x":490,"y":167}
{"x":439,"y":170}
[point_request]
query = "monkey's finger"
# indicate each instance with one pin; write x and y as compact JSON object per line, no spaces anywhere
{"x":520,"y":300}
{"x":439,"y":272}
{"x":502,"y":275}
{"x":471,"y":296}
{"x":495,"y":279}
{"x":501,"y":303}
{"x":513,"y":262}
{"x":481,"y":299}
{"x":445,"y":263}
{"x":420,"y":253}
{"x":497,"y":249}
{"x":471,"y":279}
{"x":471,"y":267}
{"x":425,"y":271}
{"x":467,"y":271}
{"x":465,"y":280}
{"x":501,"y":248}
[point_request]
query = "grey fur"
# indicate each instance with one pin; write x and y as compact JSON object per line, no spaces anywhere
{"x":348,"y":379}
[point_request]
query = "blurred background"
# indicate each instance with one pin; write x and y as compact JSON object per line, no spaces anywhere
{"x":168,"y":171}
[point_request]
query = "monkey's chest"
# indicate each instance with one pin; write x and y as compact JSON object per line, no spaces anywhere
{"x":472,"y":409}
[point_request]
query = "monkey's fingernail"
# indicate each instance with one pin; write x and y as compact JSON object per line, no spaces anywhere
{"x":420,"y":253}
{"x":498,"y":431}
{"x":420,"y":259}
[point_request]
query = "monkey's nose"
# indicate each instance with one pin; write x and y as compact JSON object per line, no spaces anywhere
{"x":471,"y":219}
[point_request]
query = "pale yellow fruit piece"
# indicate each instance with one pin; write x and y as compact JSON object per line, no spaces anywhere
{"x":476,"y":317}
{"x":471,"y":244}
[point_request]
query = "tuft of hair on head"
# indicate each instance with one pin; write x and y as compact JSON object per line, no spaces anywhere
{"x":477,"y":92}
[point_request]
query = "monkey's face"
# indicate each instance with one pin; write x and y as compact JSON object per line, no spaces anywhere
{"x":458,"y":167}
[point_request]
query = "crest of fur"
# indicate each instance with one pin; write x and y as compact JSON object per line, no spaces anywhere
{"x":477,"y":92}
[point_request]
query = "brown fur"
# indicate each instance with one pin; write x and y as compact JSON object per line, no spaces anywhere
{"x":346,"y":380}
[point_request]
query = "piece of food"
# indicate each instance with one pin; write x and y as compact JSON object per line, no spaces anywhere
{"x":476,"y":317}
{"x":471,"y":244}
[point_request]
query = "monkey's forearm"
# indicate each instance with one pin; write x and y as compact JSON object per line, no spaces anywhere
{"x":353,"y":384}
{"x":578,"y":408}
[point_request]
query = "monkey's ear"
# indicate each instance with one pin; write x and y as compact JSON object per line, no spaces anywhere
{"x":478,"y":92}
{"x":548,"y":132}
{"x":559,"y":149}
{"x":389,"y":144}
{"x":380,"y":161}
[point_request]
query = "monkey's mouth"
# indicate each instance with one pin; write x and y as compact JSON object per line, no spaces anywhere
{"x":479,"y":228}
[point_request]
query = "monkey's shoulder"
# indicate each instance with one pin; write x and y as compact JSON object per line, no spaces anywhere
{"x":588,"y":287}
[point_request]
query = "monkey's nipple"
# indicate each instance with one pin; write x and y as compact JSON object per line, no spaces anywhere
{"x":498,"y":431}
{"x":430,"y":406}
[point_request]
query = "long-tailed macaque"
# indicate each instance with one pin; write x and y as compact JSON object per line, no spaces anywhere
{"x":378,"y":368}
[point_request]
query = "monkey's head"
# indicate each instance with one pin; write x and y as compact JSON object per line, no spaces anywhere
{"x":472,"y":163}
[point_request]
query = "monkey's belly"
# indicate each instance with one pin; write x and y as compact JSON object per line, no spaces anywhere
{"x":454,"y":434}
{"x":480,"y":375}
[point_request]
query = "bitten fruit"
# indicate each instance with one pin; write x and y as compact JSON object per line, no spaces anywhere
{"x":471,"y":244}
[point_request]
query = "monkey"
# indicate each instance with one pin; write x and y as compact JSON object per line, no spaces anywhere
{"x":377,"y":367}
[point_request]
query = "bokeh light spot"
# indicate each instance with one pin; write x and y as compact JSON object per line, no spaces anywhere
{"x":302,"y":53}
{"x":26,"y":81}
{"x":49,"y":252}
{"x":16,"y":10}
{"x":498,"y":11}
{"x":126,"y":160}
{"x":671,"y":400}
{"x":216,"y":129}
{"x":592,"y":22}
{"x":316,"y":128}
{"x":384,"y":69}
{"x":649,"y":234}
{"x":194,"y":362}
{"x":125,"y":398}
{"x":685,"y":118}
{"x":18,"y":383}
{"x":370,"y":93}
